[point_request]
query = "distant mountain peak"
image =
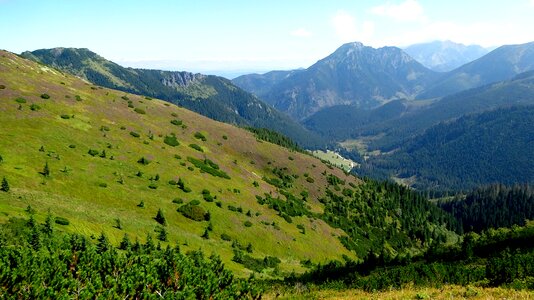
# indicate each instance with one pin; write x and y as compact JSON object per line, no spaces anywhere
{"x":444,"y":56}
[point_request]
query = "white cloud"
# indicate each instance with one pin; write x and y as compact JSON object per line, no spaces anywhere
{"x":409,"y":10}
{"x":301,"y":32}
{"x":532,"y":3}
{"x":348,"y":30}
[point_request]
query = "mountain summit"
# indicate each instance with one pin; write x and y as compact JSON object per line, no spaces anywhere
{"x":354,"y":74}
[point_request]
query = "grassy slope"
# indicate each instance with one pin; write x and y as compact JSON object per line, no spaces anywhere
{"x":76,"y":194}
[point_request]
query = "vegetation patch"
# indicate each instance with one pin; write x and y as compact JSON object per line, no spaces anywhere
{"x":194,"y":212}
{"x":208,"y":166}
{"x":171,"y":140}
{"x":196,"y":147}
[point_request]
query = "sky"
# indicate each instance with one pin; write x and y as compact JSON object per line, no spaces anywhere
{"x":229,"y":37}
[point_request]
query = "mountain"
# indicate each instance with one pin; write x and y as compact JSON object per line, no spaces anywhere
{"x":355,"y":75}
{"x":260,"y":84}
{"x":500,"y":64}
{"x":517,"y":91}
{"x":212,"y":96}
{"x":444,"y":56}
{"x":108,"y":163}
{"x":494,"y":146}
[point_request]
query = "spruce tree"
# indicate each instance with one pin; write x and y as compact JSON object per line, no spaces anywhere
{"x":149,"y":245}
{"x":125,"y":243}
{"x":103,"y":243}
{"x":160,"y":218}
{"x":162,"y":234}
{"x":46,"y":170}
{"x":206,"y":235}
{"x":5,"y":185}
{"x":47,"y":226}
{"x":35,"y":239}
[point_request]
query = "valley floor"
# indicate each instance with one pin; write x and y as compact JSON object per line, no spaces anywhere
{"x":446,"y":292}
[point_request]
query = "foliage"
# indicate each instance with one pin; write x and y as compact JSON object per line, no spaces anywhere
{"x":160,"y":218}
{"x":62,"y":265}
{"x":194,"y":212}
{"x":171,"y":140}
{"x":274,"y":137}
{"x":196,"y":147}
{"x":139,"y":110}
{"x":45,"y":96}
{"x":493,"y":206}
{"x":200,"y":136}
{"x":5,"y":185}
{"x":208,"y":166}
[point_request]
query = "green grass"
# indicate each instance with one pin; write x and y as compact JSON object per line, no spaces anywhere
{"x":92,"y":191}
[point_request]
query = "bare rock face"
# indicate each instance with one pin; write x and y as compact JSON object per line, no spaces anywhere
{"x":180,"y":79}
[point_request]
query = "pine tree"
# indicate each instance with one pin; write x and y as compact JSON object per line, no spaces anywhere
{"x":210,"y":226}
{"x":162,"y":234}
{"x":118,"y":224}
{"x":149,"y":245}
{"x":206,"y":235}
{"x":103,"y":243}
{"x":31,"y":222}
{"x":1,"y":159}
{"x":35,"y":239}
{"x":46,"y":170}
{"x":47,"y":226}
{"x":5,"y":185}
{"x":125,"y":243}
{"x":160,"y":218}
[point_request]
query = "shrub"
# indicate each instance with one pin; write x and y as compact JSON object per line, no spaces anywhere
{"x":196,"y":147}
{"x":45,"y":96}
{"x":194,"y":202}
{"x":103,"y":185}
{"x":66,"y":117}
{"x":247,"y":224}
{"x":200,"y":136}
{"x":208,"y":166}
{"x":310,"y":180}
{"x":143,"y":161}
{"x":171,"y":140}
{"x":20,"y":100}
{"x":225,"y":237}
{"x":139,"y":110}
{"x":125,"y":97}
{"x":225,"y":137}
{"x":2,"y":86}
{"x":93,"y":152}
{"x":78,"y":98}
{"x":72,"y":146}
{"x":178,"y":200}
{"x":35,"y":107}
{"x":62,"y":221}
{"x":153,"y":186}
{"x":141,"y":204}
{"x":176,"y":122}
{"x":193,"y":212}
{"x":134,"y":134}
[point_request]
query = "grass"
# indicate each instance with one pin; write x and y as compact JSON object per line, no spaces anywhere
{"x":446,"y":292}
{"x":335,"y":159}
{"x":75,"y":189}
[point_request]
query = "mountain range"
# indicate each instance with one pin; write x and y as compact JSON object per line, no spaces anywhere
{"x":123,"y":166}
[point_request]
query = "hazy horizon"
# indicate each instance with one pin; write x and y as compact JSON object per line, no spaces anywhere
{"x":237,"y":37}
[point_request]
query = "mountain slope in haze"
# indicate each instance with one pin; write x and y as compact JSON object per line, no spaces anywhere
{"x":444,"y":56}
{"x":494,"y":146}
{"x":353,"y":75}
{"x":517,"y":91}
{"x":260,"y":84}
{"x":500,"y":64}
{"x":109,"y":161}
{"x":212,"y":96}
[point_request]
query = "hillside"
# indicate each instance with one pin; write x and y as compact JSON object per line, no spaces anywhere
{"x":109,"y":161}
{"x":211,"y":96}
{"x":500,"y":64}
{"x":444,"y":56}
{"x":355,"y":75}
{"x":261,"y":84}
{"x":494,"y":146}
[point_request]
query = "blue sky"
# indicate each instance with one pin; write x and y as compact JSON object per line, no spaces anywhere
{"x":253,"y":35}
